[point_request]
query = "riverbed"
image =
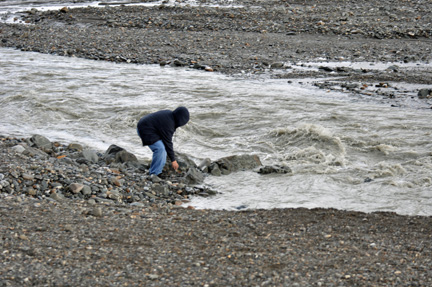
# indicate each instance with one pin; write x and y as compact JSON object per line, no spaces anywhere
{"x":344,"y":153}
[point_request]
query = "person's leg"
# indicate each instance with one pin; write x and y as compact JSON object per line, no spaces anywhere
{"x":159,"y":157}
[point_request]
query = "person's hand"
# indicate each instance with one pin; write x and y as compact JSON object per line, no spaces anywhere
{"x":175,"y":165}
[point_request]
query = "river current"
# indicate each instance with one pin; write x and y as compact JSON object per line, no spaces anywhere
{"x":345,"y":153}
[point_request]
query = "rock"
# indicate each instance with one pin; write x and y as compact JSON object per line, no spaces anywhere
{"x":27,"y":176}
{"x":90,"y":155}
{"x":274,"y":169}
{"x":160,"y":189}
{"x":178,"y":63}
{"x":75,"y":188}
{"x":236,"y":163}
{"x":125,"y":156}
{"x":119,"y":155}
{"x":56,"y":196}
{"x":327,"y":69}
{"x":40,"y":142}
{"x":18,"y":149}
{"x":204,"y":165}
{"x":34,"y":152}
{"x":138,"y":204}
{"x":277,"y":65}
{"x":425,"y":94}
{"x":214,"y":170}
{"x":194,"y":176}
{"x":97,"y":212}
{"x":86,"y":190}
{"x":185,"y":163}
{"x":114,"y":195}
{"x":75,"y":146}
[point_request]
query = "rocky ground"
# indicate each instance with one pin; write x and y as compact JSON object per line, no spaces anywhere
{"x":71,"y":217}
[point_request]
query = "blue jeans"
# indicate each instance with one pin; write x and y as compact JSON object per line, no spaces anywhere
{"x":159,"y":157}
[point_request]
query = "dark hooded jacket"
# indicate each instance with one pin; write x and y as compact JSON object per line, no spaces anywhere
{"x":161,"y":125}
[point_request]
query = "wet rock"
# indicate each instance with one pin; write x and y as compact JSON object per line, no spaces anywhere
{"x":40,"y":142}
{"x":184,"y":161}
{"x":277,"y":65}
{"x":274,"y":169}
{"x":204,"y":165}
{"x":425,"y":94}
{"x":214,"y":169}
{"x":194,"y":176}
{"x":234,"y":163}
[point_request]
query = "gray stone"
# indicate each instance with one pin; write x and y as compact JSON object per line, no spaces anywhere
{"x":160,"y":189}
{"x":56,"y":196}
{"x":214,"y":170}
{"x":125,"y":156}
{"x":425,"y":94}
{"x":75,"y":188}
{"x":97,"y":212}
{"x":138,"y":204}
{"x":194,"y":176}
{"x":114,"y":195}
{"x":277,"y":65}
{"x":18,"y":149}
{"x":75,"y":146}
{"x":204,"y":165}
{"x":119,"y":155}
{"x":237,"y":162}
{"x":184,"y":162}
{"x":86,"y":190}
{"x":90,"y":155}
{"x":40,"y":142}
{"x":274,"y":169}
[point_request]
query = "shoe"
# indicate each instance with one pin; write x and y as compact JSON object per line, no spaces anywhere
{"x":154,"y":178}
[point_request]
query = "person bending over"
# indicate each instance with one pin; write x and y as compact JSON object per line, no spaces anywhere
{"x":156,"y":130}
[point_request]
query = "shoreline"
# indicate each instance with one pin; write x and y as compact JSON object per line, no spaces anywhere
{"x":69,"y":237}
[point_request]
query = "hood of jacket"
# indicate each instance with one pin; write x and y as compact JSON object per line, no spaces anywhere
{"x":181,"y":116}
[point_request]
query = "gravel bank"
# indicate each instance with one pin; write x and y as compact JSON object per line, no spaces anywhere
{"x":127,"y":230}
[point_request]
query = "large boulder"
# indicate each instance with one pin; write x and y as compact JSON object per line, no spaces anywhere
{"x":118,"y":154}
{"x":227,"y":165}
{"x":40,"y":142}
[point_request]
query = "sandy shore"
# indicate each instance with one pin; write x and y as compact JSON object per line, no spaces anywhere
{"x":74,"y":242}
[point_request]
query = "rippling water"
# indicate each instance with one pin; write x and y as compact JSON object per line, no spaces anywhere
{"x":344,"y":154}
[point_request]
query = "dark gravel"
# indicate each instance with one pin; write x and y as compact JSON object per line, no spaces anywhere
{"x":145,"y":239}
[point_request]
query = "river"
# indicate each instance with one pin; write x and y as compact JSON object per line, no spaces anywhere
{"x":345,"y":152}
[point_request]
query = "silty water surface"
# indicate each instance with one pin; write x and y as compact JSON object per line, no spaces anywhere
{"x":345,"y":154}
